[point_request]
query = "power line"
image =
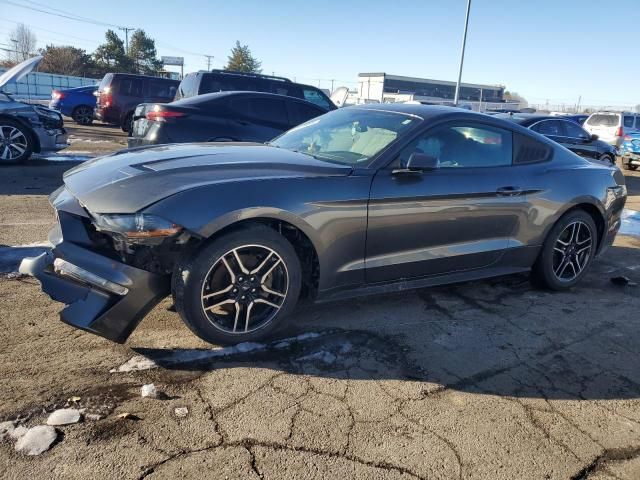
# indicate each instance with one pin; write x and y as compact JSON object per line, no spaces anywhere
{"x":77,"y":18}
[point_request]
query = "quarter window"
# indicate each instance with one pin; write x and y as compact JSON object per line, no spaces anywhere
{"x":464,"y":145}
{"x":314,"y":96}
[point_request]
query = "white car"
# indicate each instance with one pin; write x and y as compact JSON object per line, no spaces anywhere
{"x":612,"y":126}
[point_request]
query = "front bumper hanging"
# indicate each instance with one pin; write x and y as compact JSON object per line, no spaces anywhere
{"x":103,"y":296}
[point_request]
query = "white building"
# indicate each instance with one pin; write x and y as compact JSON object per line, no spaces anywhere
{"x":385,"y":88}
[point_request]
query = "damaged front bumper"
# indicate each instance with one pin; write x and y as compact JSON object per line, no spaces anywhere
{"x":103,"y":296}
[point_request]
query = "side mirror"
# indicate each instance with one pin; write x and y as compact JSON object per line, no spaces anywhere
{"x":418,"y":162}
{"x":594,"y":137}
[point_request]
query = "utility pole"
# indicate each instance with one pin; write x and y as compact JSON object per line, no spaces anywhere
{"x":209,"y":58}
{"x":332,"y":80}
{"x":126,"y":31}
{"x":464,"y":42}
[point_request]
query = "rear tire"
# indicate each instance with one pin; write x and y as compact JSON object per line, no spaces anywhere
{"x":605,"y":157}
{"x":127,"y":123}
{"x":82,"y":115}
{"x":16,"y":142}
{"x":567,"y":252}
{"x":224,"y":300}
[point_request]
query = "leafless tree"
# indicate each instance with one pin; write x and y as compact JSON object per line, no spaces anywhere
{"x":23,"y":41}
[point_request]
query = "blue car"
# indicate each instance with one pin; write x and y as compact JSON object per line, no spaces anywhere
{"x":630,"y":151}
{"x":77,"y":103}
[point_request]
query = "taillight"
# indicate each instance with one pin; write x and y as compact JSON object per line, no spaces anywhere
{"x":105,"y":99}
{"x":56,"y":95}
{"x":627,"y":138}
{"x":158,"y":115}
{"x":619,"y":132}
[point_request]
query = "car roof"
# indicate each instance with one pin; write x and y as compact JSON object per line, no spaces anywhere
{"x":528,"y":118}
{"x":426,"y":112}
{"x":207,"y":97}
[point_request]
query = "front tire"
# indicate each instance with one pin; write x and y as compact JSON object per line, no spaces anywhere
{"x":567,"y":252}
{"x":16,"y":142}
{"x":605,"y":157}
{"x":240,"y":287}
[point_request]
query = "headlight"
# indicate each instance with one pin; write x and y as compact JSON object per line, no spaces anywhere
{"x":136,"y":226}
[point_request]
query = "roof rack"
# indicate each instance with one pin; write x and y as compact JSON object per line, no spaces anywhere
{"x":253,"y":75}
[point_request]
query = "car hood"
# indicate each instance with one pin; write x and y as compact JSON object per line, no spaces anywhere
{"x":130,"y":180}
{"x":16,"y":73}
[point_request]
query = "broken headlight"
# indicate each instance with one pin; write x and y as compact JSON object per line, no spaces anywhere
{"x":137,"y":226}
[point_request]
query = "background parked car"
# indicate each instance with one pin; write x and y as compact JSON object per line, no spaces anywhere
{"x":567,"y":133}
{"x":223,"y":116}
{"x":630,"y":151}
{"x":77,"y":103}
{"x":119,"y":93}
{"x":25,"y":128}
{"x":197,"y":83}
{"x":612,"y":126}
{"x":579,"y":118}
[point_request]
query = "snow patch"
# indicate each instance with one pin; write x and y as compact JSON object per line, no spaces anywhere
{"x":185,"y":276}
{"x":322,"y":355}
{"x":149,"y":390}
{"x":177,"y":357}
{"x":64,"y":416}
{"x":36,"y":440}
{"x":630,"y":223}
{"x":181,"y":412}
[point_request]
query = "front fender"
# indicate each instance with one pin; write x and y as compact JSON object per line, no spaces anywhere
{"x":330,"y":211}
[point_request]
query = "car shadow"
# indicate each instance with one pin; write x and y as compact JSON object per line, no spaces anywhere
{"x":35,"y":177}
{"x":495,"y":337}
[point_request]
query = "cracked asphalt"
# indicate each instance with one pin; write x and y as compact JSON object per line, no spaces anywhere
{"x":484,"y":380}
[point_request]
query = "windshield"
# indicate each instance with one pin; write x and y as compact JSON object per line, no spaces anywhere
{"x":349,"y":136}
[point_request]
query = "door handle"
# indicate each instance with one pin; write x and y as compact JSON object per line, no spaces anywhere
{"x":509,"y":191}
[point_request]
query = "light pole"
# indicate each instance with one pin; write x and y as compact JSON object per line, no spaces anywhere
{"x":464,"y":42}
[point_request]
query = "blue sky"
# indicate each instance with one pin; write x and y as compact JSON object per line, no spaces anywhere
{"x":550,"y":50}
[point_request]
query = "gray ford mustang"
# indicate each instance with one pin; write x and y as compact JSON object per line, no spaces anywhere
{"x":361,"y":200}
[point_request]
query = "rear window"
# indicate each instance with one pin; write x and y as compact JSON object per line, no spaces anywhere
{"x":159,"y":88}
{"x":227,"y":83}
{"x":603,"y":120}
{"x":106,"y":81}
{"x":628,"y":121}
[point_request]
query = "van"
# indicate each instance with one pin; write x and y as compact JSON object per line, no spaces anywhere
{"x":119,"y":93}
{"x":612,"y":126}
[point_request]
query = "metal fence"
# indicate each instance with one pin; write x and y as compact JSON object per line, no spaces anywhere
{"x":36,"y":85}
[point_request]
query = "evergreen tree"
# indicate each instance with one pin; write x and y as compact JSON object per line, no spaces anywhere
{"x":143,"y":55}
{"x":110,"y":56}
{"x":241,"y":60}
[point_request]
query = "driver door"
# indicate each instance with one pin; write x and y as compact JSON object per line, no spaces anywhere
{"x":458,"y":216}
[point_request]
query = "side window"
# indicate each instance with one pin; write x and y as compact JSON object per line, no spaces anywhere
{"x":574,"y":131}
{"x":638,"y":122}
{"x":131,"y":87}
{"x":628,"y":121}
{"x":464,"y":145}
{"x":268,"y":109}
{"x":187,"y":87}
{"x":302,"y":112}
{"x":551,"y":128}
{"x":240,"y":106}
{"x":315,"y":96}
{"x":161,"y":89}
{"x":529,"y":150}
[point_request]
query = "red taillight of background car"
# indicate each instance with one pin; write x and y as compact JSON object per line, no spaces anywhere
{"x":57,"y":95}
{"x":157,"y":115}
{"x":627,"y":138}
{"x":619,"y":132}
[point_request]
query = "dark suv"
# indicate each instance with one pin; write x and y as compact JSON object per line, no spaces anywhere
{"x":197,"y":83}
{"x":120,"y":93}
